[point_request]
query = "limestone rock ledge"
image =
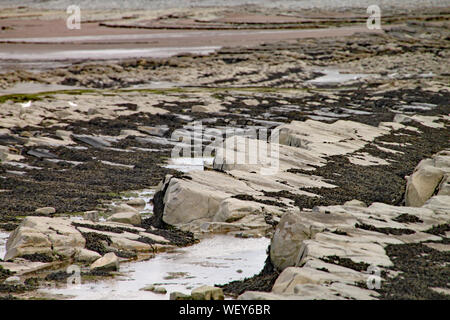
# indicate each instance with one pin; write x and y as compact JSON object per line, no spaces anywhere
{"x":329,"y":252}
{"x":63,"y":238}
{"x":208,"y":201}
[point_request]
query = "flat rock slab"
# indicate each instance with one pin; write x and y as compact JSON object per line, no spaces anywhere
{"x":93,"y":141}
{"x":25,"y":267}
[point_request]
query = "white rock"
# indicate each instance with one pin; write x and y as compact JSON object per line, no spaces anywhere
{"x":133,"y":218}
{"x":122,"y":243}
{"x":355,"y":203}
{"x":123,"y":207}
{"x":44,"y":235}
{"x":45,"y":210}
{"x":109,"y":262}
{"x":324,"y":139}
{"x":208,"y":108}
{"x":422,"y":183}
{"x":189,"y":200}
{"x":13,"y":280}
{"x":292,"y":276}
{"x":439,"y":204}
{"x":26,"y":240}
{"x":286,"y":249}
{"x":233,"y":209}
{"x":85,"y":255}
{"x":137,"y":203}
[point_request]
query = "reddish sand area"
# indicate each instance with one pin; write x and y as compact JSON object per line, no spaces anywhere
{"x":52,"y":36}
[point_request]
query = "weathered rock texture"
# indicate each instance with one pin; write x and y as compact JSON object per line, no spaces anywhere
{"x":62,"y":238}
{"x":331,"y":252}
{"x":235,"y":195}
{"x":430,"y":175}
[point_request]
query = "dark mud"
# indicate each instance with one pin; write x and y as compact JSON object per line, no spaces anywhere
{"x":439,"y":229}
{"x":387,"y":230}
{"x":105,"y":228}
{"x":347,"y":263}
{"x":407,"y":218}
{"x":39,"y":257}
{"x":62,"y":276}
{"x":176,"y":236}
{"x":263,"y":281}
{"x":100,"y":243}
{"x":247,"y":197}
{"x":73,"y":188}
{"x":14,"y":288}
{"x":97,"y":242}
{"x":4,"y":273}
{"x":8,"y":223}
{"x":422,"y":268}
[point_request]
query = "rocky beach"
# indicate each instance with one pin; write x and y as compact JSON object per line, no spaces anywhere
{"x":248,"y":151}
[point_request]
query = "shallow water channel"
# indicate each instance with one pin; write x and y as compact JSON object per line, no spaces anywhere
{"x":215,"y":260}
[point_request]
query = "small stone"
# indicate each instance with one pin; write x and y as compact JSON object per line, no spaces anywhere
{"x":133,"y":218}
{"x":123,"y":207}
{"x":355,"y":203}
{"x":13,"y":280}
{"x":155,"y":289}
{"x":91,"y":216}
{"x":207,"y":293}
{"x":137,"y":203}
{"x":160,"y":290}
{"x":45,"y":211}
{"x":179,"y":296}
{"x":239,"y":271}
{"x":109,"y":262}
{"x":158,"y":131}
{"x":85,"y":255}
{"x":148,"y":288}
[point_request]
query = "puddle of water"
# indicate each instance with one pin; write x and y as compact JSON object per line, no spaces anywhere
{"x":325,"y":112}
{"x":102,"y":54}
{"x":22,"y":165}
{"x":186,"y":164}
{"x":416,"y":106}
{"x":157,"y":85}
{"x":214,"y":260}
{"x":3,"y":238}
{"x":335,"y":77}
{"x":147,"y":195}
{"x":36,"y":88}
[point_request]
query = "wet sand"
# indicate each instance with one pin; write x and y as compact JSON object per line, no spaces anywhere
{"x":94,"y":44}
